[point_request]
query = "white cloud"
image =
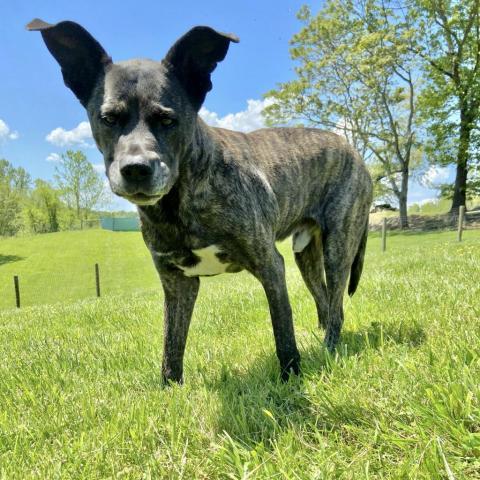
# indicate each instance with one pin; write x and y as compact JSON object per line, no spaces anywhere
{"x":244,"y":121}
{"x":99,"y":167}
{"x":54,"y":157}
{"x":77,"y":136}
{"x":435,"y":175}
{"x":6,"y":133}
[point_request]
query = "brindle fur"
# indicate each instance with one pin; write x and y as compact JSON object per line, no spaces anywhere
{"x":198,"y":186}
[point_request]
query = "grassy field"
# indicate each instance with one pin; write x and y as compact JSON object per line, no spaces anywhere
{"x":59,"y":267}
{"x":80,"y":395}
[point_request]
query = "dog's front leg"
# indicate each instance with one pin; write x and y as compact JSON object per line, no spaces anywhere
{"x":180,"y":295}
{"x":272,"y":276}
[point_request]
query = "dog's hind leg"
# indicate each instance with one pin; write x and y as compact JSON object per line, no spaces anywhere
{"x":337,"y":269}
{"x":309,"y":260}
{"x":340,"y":246}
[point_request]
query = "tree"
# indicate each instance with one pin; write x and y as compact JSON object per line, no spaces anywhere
{"x":356,"y":75}
{"x":448,"y":42}
{"x":14,"y":185}
{"x":43,"y":210}
{"x":80,"y":185}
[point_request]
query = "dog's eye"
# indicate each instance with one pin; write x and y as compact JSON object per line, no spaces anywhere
{"x":162,"y":119}
{"x":109,"y":119}
{"x":166,"y":121}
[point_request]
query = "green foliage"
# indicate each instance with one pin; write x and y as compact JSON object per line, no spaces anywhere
{"x":81,"y":394}
{"x":448,"y":42}
{"x":356,"y":75}
{"x":359,"y":66}
{"x":81,"y":186}
{"x":474,"y":182}
{"x":14,"y":185}
{"x":440,"y":206}
{"x":43,"y":210}
{"x":435,"y":207}
{"x":44,"y":207}
{"x":447,"y":190}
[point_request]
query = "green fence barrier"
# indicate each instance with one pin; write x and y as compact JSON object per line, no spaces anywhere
{"x":126,"y":224}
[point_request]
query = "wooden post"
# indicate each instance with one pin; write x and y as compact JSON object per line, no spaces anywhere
{"x":384,"y":234}
{"x":97,"y":279}
{"x":17,"y":290}
{"x":461,"y":216}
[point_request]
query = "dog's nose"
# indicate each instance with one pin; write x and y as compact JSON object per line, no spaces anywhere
{"x":136,"y":171}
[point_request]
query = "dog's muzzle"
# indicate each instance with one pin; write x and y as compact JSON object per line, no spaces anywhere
{"x":141,"y":181}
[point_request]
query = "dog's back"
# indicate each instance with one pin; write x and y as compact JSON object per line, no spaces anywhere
{"x":306,"y":168}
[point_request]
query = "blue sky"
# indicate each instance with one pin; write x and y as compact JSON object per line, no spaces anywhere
{"x":40,"y":118}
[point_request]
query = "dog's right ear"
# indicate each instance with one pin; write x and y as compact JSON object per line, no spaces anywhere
{"x":80,"y":56}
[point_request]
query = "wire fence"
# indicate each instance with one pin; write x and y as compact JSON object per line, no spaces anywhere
{"x":424,"y":223}
{"x":66,"y":267}
{"x":459,"y":221}
{"x":28,"y":289}
{"x":118,"y":270}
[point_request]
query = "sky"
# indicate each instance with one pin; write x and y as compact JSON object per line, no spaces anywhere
{"x":40,"y":118}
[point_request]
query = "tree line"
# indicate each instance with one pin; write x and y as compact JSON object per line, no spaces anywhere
{"x":400,"y":80}
{"x":39,"y":206}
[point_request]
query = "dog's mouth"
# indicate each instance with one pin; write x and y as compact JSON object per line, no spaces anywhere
{"x":142,"y":198}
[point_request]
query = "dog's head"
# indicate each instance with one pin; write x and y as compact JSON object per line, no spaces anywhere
{"x":142,"y":113}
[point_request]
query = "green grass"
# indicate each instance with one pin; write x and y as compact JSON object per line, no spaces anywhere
{"x":59,"y":267}
{"x":80,"y":392}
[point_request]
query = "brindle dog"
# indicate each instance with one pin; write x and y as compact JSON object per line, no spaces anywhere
{"x":212,"y":200}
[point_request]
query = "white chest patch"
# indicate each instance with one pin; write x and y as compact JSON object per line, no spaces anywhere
{"x":209,"y":263}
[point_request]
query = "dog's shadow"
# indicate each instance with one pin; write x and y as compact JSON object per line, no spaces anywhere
{"x":256,"y":407}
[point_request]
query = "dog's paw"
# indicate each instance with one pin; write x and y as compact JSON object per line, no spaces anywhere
{"x":292,"y":368}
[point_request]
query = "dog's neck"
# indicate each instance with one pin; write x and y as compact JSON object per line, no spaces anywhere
{"x":202,"y":149}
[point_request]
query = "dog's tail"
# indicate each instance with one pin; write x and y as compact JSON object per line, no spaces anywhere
{"x":357,"y":265}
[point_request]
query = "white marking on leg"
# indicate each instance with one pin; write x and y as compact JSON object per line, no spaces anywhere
{"x":301,"y":238}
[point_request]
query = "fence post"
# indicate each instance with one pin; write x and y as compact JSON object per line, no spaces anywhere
{"x":384,"y":234}
{"x":461,"y":216}
{"x":17,"y":290}
{"x":97,"y":279}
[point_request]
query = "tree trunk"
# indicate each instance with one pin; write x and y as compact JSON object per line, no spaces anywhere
{"x":402,"y":200}
{"x":403,"y":212}
{"x":460,"y":188}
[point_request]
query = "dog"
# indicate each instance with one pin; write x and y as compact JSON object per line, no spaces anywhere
{"x":212,"y":200}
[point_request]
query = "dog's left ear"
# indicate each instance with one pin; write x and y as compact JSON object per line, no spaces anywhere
{"x":194,"y":57}
{"x":82,"y":59}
